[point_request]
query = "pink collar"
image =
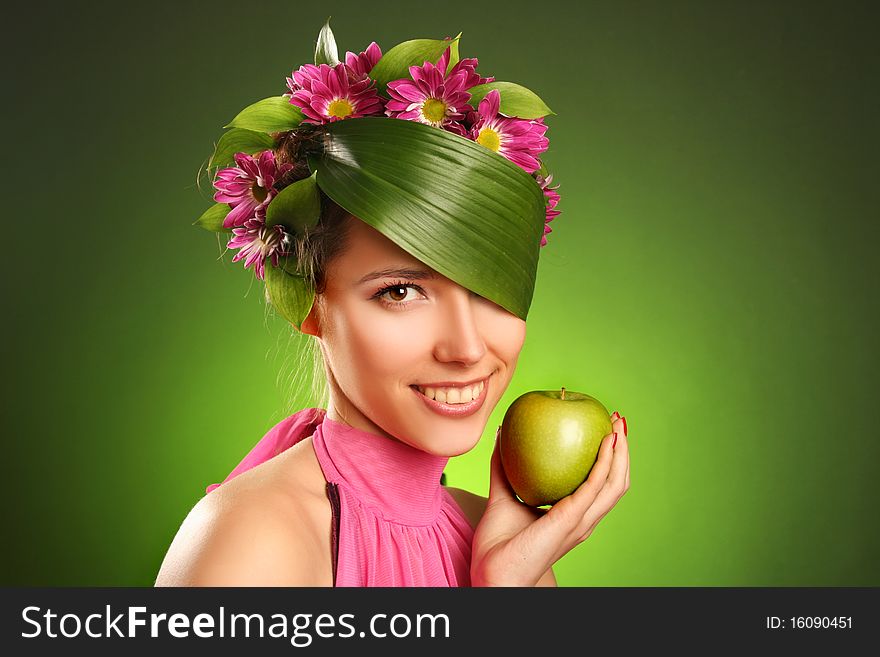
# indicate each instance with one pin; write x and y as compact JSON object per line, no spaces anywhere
{"x":400,"y":483}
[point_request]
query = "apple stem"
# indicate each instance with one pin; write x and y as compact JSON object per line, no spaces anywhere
{"x":563,"y":393}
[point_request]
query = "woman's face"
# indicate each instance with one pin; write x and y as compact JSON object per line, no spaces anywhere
{"x":388,"y":325}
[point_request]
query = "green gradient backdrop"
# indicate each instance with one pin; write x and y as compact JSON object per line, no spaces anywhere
{"x":712,"y":275}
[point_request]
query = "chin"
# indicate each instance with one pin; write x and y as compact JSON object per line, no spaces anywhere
{"x":454,"y":441}
{"x":450,"y":436}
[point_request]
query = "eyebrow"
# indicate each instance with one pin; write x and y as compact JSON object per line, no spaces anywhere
{"x":400,"y":272}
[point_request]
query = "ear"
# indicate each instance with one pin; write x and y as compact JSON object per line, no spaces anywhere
{"x":311,"y":325}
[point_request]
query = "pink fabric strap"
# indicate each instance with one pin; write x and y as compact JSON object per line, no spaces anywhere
{"x":285,"y":434}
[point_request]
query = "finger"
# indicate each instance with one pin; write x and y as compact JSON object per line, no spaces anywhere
{"x":615,"y":485}
{"x":559,"y":528}
{"x":578,"y":514}
{"x":588,"y":505}
{"x":626,"y":436}
{"x":618,"y":424}
{"x":499,"y":487}
{"x":586,"y":493}
{"x":620,"y":460}
{"x":569,"y":511}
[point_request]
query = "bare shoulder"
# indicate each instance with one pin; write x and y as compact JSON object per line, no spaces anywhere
{"x":267,"y":527}
{"x":471,"y":504}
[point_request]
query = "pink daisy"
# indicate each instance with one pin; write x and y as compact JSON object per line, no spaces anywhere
{"x":331,"y":93}
{"x":519,"y":140}
{"x":256,"y":242}
{"x":362,"y":63}
{"x":248,"y":188}
{"x":468,"y":65}
{"x":551,"y":199}
{"x":434,"y":96}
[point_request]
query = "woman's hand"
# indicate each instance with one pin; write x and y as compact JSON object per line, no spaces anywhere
{"x":515,"y":544}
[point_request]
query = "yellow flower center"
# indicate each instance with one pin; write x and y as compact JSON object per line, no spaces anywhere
{"x":434,"y":110}
{"x":340,"y":108}
{"x":490,"y":139}
{"x":259,"y":193}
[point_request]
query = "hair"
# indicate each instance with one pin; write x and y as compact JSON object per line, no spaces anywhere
{"x":315,"y":249}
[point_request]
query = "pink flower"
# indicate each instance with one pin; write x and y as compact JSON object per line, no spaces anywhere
{"x":256,"y":242}
{"x":551,"y":198}
{"x":362,"y":63}
{"x":248,"y":188}
{"x":434,"y":96}
{"x":331,"y":93}
{"x":468,"y":65}
{"x":519,"y":140}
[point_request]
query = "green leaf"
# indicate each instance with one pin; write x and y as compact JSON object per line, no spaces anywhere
{"x":290,"y":265}
{"x":467,"y":212}
{"x":289,"y":293}
{"x":516,"y":100}
{"x":395,"y":63}
{"x":239,"y":140}
{"x":297,"y":206}
{"x":453,"y":53}
{"x":212,"y":218}
{"x":325,"y":50}
{"x":274,"y":114}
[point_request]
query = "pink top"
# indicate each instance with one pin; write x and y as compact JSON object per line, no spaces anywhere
{"x":394,"y":524}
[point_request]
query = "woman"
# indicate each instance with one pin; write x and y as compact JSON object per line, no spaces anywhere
{"x":415,"y":360}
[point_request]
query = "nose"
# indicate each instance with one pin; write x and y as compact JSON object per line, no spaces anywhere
{"x":460,"y":338}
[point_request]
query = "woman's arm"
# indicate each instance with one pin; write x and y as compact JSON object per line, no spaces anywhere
{"x":547,"y":579}
{"x":240,"y":543}
{"x":473,"y":507}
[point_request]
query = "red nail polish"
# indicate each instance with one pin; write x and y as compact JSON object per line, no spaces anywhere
{"x":615,"y":415}
{"x":624,"y":426}
{"x":614,"y":444}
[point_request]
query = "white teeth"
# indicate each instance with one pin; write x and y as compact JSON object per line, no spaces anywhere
{"x":454,"y":395}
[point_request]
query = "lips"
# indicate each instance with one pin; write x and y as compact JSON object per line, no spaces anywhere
{"x":436,"y":398}
{"x":452,"y":394}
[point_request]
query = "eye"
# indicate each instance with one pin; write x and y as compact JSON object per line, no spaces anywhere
{"x":398,"y":294}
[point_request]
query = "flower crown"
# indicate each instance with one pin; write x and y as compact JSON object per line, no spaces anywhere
{"x":508,"y":119}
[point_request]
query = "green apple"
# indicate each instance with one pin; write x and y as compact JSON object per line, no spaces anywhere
{"x":549,"y":442}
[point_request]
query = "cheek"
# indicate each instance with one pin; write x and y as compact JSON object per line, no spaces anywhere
{"x":505,"y":334}
{"x":380,"y":345}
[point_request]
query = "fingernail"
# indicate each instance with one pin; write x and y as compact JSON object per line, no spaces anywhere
{"x":614,"y":416}
{"x":614,"y":444}
{"x":624,"y":426}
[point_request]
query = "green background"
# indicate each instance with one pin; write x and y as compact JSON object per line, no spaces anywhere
{"x":712,"y":275}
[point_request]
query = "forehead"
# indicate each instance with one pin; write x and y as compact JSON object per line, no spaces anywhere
{"x":367,"y":250}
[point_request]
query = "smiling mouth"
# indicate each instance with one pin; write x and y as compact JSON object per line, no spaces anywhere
{"x":453,"y":395}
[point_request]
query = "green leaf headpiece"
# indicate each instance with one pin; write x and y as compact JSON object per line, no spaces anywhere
{"x":396,"y":141}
